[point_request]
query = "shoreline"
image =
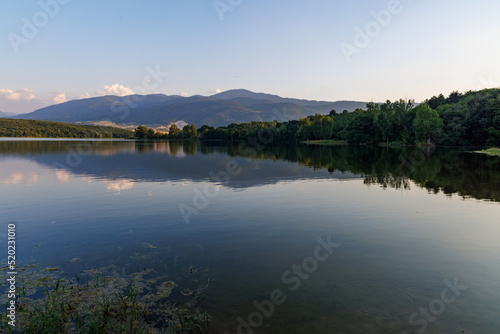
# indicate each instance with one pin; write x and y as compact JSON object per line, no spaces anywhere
{"x":493,"y":151}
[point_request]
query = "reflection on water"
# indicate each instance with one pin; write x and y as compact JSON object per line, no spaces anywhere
{"x":449,"y":171}
{"x":409,"y":223}
{"x":17,"y":177}
{"x":118,"y":186}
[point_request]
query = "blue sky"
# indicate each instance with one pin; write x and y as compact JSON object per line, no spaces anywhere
{"x":395,"y":49}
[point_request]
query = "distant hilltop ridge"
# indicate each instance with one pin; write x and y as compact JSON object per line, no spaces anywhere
{"x":6,"y":114}
{"x":232,"y":106}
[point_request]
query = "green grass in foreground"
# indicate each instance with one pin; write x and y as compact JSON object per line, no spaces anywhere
{"x":490,"y":151}
{"x":103,"y":301}
{"x":326,"y":142}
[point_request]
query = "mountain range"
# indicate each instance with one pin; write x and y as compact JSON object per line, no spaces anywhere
{"x":233,"y":106}
{"x":6,"y":114}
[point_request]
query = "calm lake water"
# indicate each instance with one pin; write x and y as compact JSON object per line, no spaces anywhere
{"x":297,"y":239}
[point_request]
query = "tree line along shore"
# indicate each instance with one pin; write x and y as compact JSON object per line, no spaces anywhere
{"x":461,"y":119}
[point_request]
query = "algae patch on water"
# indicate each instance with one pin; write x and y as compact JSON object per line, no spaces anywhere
{"x":165,"y":289}
{"x":104,"y":300}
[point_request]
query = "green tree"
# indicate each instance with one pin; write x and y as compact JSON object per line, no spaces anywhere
{"x":174,"y":131}
{"x":361,"y":129}
{"x":205,"y":132}
{"x":436,"y":101}
{"x":372,"y":107}
{"x":384,"y":121}
{"x":326,"y":127}
{"x":189,"y":131}
{"x":427,"y":122}
{"x":316,"y":126}
{"x":141,"y":132}
{"x":304,"y":131}
{"x":454,"y":97}
{"x":150,"y":134}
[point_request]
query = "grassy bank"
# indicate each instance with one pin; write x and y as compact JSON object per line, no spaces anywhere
{"x":491,"y":151}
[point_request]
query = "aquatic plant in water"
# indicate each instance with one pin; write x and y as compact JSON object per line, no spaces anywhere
{"x":103,"y":301}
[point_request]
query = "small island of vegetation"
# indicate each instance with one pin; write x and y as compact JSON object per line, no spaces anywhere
{"x":491,"y":151}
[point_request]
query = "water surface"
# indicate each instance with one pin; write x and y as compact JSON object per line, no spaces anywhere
{"x":406,"y":224}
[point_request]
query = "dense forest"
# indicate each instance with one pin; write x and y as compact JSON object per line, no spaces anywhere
{"x":45,"y":129}
{"x":471,"y":118}
{"x":189,"y":131}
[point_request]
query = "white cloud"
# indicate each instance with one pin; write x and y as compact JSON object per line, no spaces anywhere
{"x":85,"y":95}
{"x":60,"y":98}
{"x":17,"y":95}
{"x":184,"y":94}
{"x":216,"y":91}
{"x":116,"y":89}
{"x":22,"y":100}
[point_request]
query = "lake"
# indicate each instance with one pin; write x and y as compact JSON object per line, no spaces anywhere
{"x":293,"y":239}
